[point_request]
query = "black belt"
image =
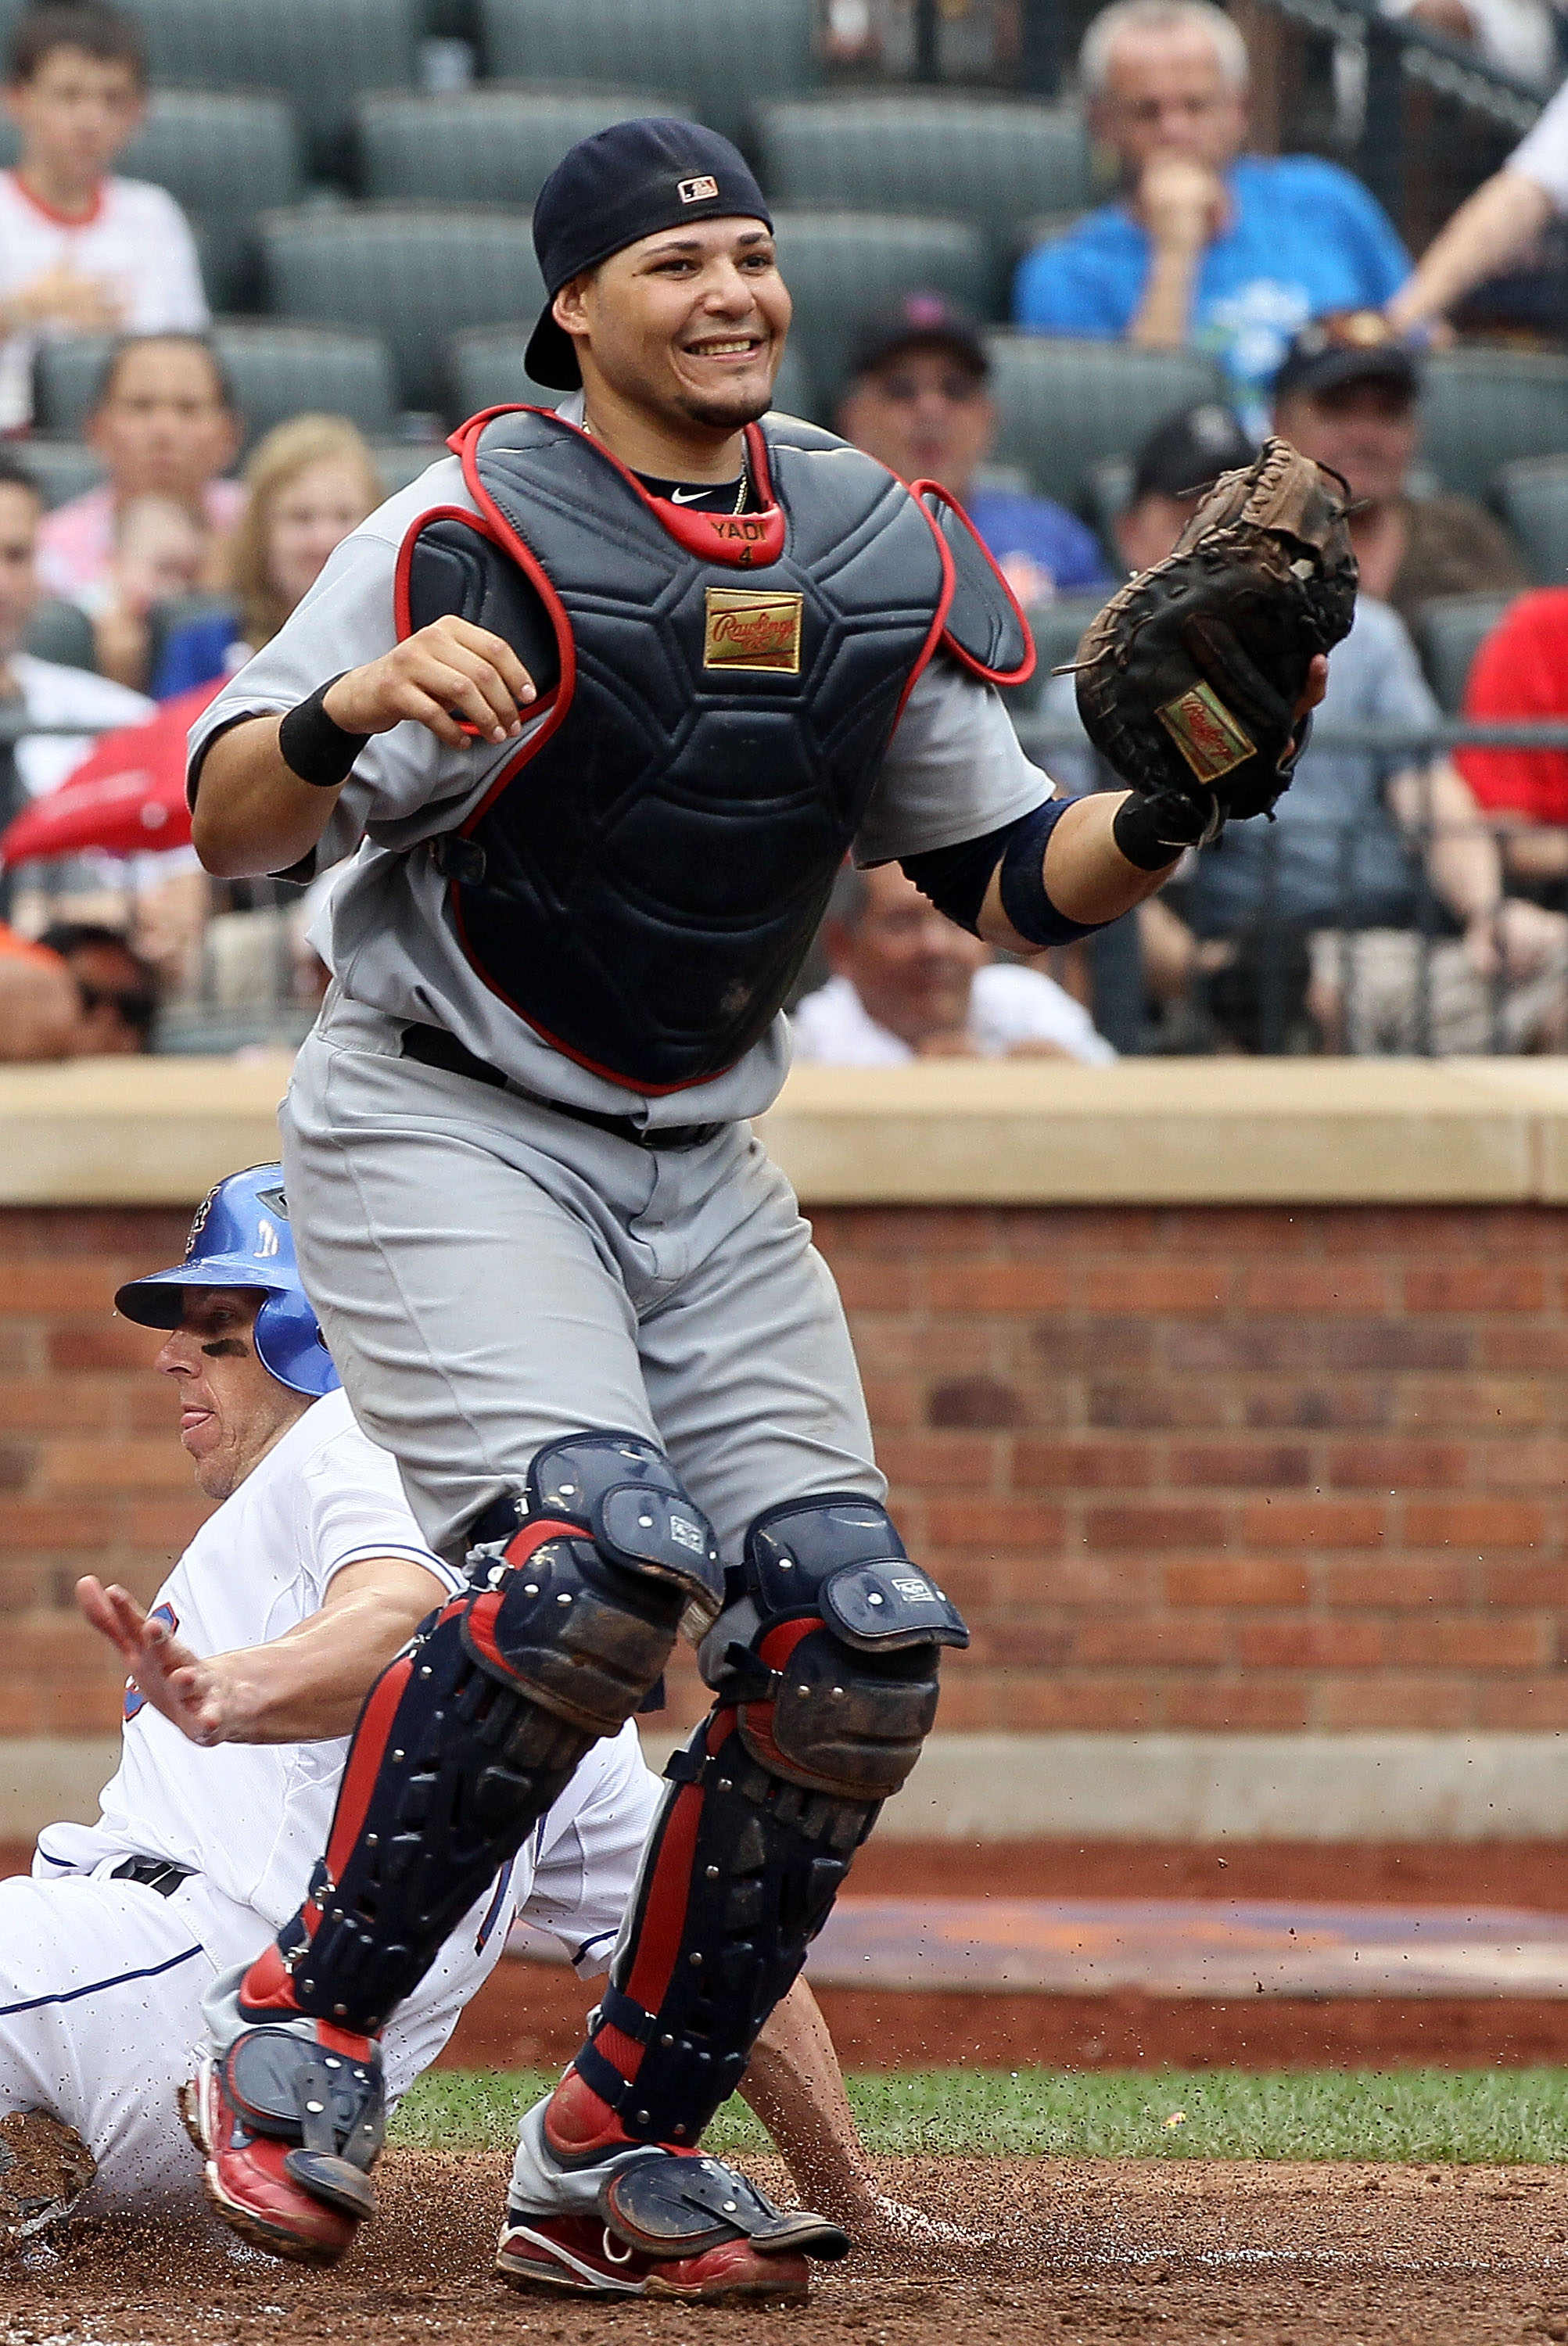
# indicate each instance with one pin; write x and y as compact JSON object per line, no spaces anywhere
{"x":152,"y":1873}
{"x":432,"y":1046}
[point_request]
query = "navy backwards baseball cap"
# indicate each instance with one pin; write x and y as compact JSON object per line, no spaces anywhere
{"x":620,"y":184}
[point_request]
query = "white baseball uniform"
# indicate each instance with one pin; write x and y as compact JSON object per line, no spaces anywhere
{"x":101,"y":1980}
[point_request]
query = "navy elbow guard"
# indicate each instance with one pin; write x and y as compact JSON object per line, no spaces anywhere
{"x":1024,"y":897}
{"x":957,"y":878}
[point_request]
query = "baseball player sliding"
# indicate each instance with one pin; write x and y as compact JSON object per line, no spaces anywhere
{"x":602,"y":701}
{"x":248,"y":1673}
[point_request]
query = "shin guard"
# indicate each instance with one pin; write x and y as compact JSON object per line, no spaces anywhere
{"x":826,"y":1668}
{"x":738,"y":1877}
{"x":473,"y":1732}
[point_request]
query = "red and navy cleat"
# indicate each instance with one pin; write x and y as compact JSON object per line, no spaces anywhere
{"x":581,"y":2256}
{"x":289,"y":2124}
{"x":593,"y":2213}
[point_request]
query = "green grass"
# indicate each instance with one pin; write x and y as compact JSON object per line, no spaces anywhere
{"x":1460,"y":2115}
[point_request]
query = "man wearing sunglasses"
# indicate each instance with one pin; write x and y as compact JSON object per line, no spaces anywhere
{"x":918,"y":400}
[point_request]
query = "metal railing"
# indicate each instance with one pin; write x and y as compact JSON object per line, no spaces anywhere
{"x":1262,"y":987}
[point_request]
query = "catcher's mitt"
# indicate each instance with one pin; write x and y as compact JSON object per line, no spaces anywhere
{"x":1189,"y":678}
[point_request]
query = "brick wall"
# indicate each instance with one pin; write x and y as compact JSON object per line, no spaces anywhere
{"x":1236,"y":1469}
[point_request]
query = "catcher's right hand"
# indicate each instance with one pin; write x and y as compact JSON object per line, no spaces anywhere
{"x":1193,"y":681}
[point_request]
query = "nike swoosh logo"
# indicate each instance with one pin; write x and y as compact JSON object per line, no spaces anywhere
{"x":687,"y":497}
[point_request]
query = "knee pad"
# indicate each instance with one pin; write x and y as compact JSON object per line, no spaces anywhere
{"x":580,"y":1594}
{"x":830,"y":1650}
{"x":480,"y":1724}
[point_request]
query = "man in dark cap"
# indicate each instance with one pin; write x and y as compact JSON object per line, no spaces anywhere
{"x":1349,"y":394}
{"x":604,"y":701}
{"x":1174,"y":467}
{"x":917,"y":398}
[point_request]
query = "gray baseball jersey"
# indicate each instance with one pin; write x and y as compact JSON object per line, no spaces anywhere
{"x":953,"y":770}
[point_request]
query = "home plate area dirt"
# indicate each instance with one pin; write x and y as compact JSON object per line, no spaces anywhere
{"x":1254,"y":2255}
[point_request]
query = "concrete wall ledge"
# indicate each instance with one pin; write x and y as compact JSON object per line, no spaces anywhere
{"x":944,"y":1132}
{"x":1405,"y":1787}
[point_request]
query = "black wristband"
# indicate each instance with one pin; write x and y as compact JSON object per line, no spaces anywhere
{"x":314,"y":750}
{"x":1154,"y":832}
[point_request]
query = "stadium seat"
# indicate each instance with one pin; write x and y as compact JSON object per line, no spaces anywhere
{"x":62,"y":468}
{"x":416,"y":273}
{"x":62,"y":632}
{"x":484,"y":369}
{"x":1062,"y":406}
{"x":843,"y":266}
{"x":399,"y":462}
{"x":321,"y":53}
{"x":224,"y":155}
{"x":722,"y":53}
{"x":1533,"y":496}
{"x":1449,"y":633}
{"x":989,"y":161}
{"x":277,"y":372}
{"x":494,"y":145}
{"x":1482,"y":408}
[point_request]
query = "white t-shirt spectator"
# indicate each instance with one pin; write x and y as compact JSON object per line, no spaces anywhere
{"x":1542,"y":154}
{"x":136,"y":243}
{"x":56,"y":695}
{"x":1007,"y":1006}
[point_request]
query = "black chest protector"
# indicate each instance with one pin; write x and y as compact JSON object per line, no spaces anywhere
{"x":642,"y":881}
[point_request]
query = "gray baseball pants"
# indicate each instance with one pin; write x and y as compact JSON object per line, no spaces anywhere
{"x":492,"y":1276}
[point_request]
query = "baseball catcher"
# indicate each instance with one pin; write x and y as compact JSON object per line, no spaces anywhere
{"x":602,"y":702}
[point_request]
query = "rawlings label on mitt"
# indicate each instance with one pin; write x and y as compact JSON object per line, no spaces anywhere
{"x":1189,"y":678}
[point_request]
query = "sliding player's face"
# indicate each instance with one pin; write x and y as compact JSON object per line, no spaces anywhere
{"x":231,"y":1408}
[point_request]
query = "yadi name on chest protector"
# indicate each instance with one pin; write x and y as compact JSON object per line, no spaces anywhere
{"x":642,"y":881}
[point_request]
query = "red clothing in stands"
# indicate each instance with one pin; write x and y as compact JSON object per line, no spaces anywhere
{"x":1522,"y":672}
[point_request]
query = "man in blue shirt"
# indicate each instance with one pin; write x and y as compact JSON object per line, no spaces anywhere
{"x":1208,"y":246}
{"x":917,"y":402}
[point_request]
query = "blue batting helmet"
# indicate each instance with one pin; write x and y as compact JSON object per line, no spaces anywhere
{"x":241,"y":1237}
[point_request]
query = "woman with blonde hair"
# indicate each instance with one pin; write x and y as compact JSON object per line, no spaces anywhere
{"x":310,"y":481}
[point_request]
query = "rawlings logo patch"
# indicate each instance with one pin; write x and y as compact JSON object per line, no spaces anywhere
{"x":748,"y":628}
{"x":1206,"y":733}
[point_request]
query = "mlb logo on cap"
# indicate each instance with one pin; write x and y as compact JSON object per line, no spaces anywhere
{"x":697,"y":191}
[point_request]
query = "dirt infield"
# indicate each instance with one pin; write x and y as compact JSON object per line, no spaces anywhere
{"x":1265,"y":2255}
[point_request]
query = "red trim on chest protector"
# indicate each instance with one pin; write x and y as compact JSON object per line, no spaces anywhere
{"x":1025,"y":669}
{"x":743,"y":541}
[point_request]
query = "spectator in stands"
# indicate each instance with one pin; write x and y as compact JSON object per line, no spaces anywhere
{"x":1518,"y":37}
{"x":918,"y":400}
{"x":1347,"y":394}
{"x":158,"y":553}
{"x":907,"y":984}
{"x":80,"y":250}
{"x":118,"y":989}
{"x":1371,"y":855}
{"x":40,"y":1010}
{"x":48,"y":693}
{"x":1182,"y":456}
{"x":1494,"y":226}
{"x":1519,"y":673}
{"x":308,"y":483}
{"x":1229,"y":252}
{"x":164,"y":423}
